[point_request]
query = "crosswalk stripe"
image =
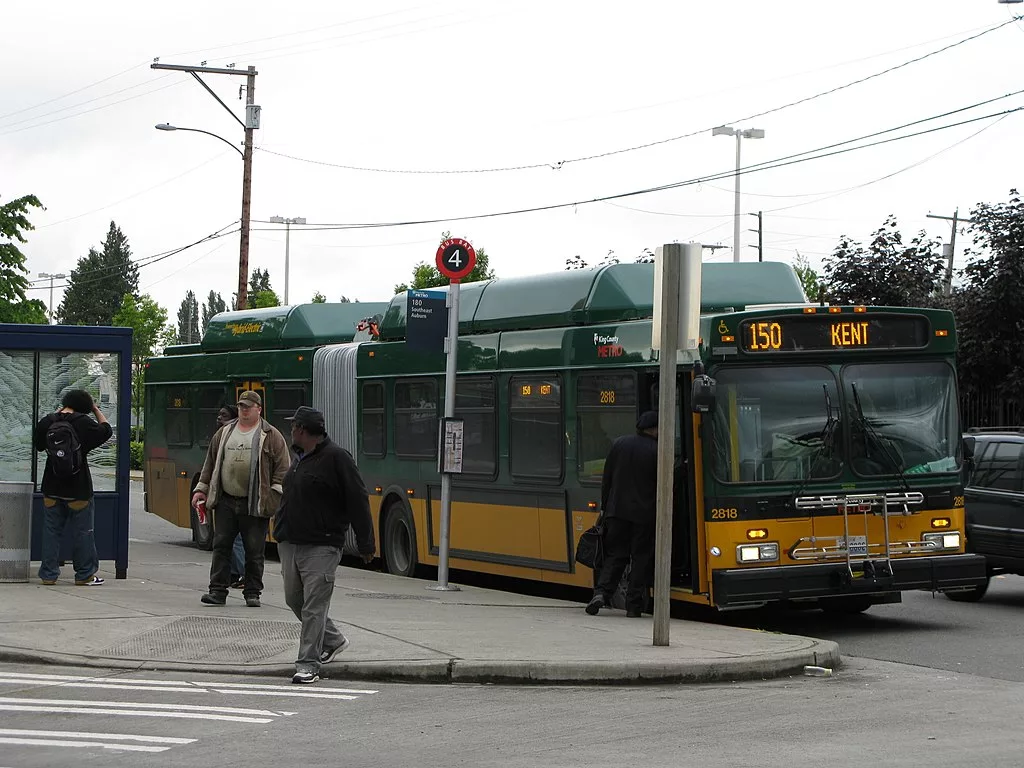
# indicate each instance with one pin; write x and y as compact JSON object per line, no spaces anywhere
{"x":88,"y":735}
{"x":79,"y":744}
{"x":141,"y":705}
{"x":133,"y":713}
{"x":74,"y":681}
{"x":284,"y":687}
{"x":298,"y":694}
{"x":22,"y":676}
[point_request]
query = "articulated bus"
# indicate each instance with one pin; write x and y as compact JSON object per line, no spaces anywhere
{"x":822,"y":468}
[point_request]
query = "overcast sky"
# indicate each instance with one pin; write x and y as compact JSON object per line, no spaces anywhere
{"x":414,"y":88}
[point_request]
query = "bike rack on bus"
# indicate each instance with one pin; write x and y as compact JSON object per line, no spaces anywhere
{"x":883,"y":505}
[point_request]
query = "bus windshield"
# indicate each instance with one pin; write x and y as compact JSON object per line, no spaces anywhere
{"x":902,"y":418}
{"x":773,"y":424}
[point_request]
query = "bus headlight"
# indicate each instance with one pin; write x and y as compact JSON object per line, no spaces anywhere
{"x":950,"y":540}
{"x":757,"y":553}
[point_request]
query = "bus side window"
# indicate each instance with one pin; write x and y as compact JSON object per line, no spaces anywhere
{"x":373,"y":419}
{"x":416,"y":418}
{"x":285,"y":399}
{"x":210,"y":401}
{"x":475,"y":400}
{"x":178,"y":417}
{"x":605,"y":410}
{"x":536,"y":435}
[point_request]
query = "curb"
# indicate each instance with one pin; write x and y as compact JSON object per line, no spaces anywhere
{"x":823,"y":653}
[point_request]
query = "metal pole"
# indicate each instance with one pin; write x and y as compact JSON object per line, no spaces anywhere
{"x":243,"y":248}
{"x":51,"y":299}
{"x":669,"y":300}
{"x":952,"y":251}
{"x":451,"y":366}
{"x":287,"y":243}
{"x":736,"y":212}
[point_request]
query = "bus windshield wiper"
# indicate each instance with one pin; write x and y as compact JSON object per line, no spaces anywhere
{"x":826,"y":446}
{"x":872,"y":434}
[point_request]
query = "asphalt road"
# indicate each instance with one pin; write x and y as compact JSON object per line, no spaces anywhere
{"x":974,"y":638}
{"x":892,"y":715}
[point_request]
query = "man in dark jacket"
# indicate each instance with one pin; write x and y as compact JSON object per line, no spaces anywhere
{"x":629,"y":489}
{"x":323,"y":494}
{"x":67,"y":487}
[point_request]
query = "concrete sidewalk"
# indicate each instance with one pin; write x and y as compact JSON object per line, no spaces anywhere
{"x":398,"y":629}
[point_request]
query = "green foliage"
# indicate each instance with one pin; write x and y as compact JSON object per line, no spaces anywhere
{"x":147,"y":319}
{"x":426,"y":275}
{"x":990,"y":303}
{"x":808,"y":277}
{"x":136,"y":454}
{"x":318,"y":298}
{"x":30,"y":311}
{"x":261,"y":299}
{"x":188,"y":320}
{"x":214,"y":305}
{"x":13,"y":223}
{"x":98,"y":285}
{"x":887,"y":272}
{"x":259,"y":283}
{"x":168,"y":338}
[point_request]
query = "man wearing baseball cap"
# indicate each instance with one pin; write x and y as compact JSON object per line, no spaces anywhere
{"x":323,"y":494}
{"x":241,"y":483}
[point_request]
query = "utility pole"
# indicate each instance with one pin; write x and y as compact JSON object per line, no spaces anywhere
{"x":760,"y":235}
{"x":287,"y":241}
{"x":252,"y":122}
{"x":949,"y":249}
{"x":57,"y":276}
{"x":749,"y":133}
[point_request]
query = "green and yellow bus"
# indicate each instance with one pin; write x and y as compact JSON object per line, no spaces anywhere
{"x":826,"y":470}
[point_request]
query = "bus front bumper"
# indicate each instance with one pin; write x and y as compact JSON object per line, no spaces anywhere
{"x":736,"y":587}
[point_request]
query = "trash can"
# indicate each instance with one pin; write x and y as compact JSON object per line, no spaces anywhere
{"x":15,"y":530}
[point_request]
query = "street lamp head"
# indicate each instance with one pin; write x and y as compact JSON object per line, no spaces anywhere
{"x":753,"y":133}
{"x":166,"y":127}
{"x":277,"y":219}
{"x":299,"y":220}
{"x":723,"y":130}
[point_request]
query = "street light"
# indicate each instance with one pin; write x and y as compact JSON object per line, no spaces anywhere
{"x":55,"y":276}
{"x":287,"y":239}
{"x":749,"y":133}
{"x":243,"y":256}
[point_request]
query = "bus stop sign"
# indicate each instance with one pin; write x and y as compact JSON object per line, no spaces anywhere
{"x":455,"y":258}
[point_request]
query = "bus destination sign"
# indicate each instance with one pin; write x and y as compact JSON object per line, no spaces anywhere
{"x":814,"y":333}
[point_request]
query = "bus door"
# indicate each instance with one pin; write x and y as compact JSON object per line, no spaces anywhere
{"x":251,"y":386}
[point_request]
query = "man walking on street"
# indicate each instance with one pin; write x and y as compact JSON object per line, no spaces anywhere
{"x":629,"y":490}
{"x":241,"y":483}
{"x":67,"y":436}
{"x":323,"y":494}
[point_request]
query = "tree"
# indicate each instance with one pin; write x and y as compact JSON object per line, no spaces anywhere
{"x":808,"y":277}
{"x":13,"y":223}
{"x":31,"y":311}
{"x":188,"y":320}
{"x":146,"y":318}
{"x":425,"y":275}
{"x":318,"y":298}
{"x":990,"y":304}
{"x":99,"y":283}
{"x":214,"y":305}
{"x":168,"y":338}
{"x":344,"y":300}
{"x":887,"y":272}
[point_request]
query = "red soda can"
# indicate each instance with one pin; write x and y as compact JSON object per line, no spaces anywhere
{"x":201,"y":511}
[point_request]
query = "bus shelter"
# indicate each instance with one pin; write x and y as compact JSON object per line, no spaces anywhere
{"x":38,"y":365}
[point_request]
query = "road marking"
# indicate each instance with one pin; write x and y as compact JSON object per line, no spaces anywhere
{"x":132,"y":713}
{"x":82,"y":739}
{"x":80,"y":744}
{"x":294,"y":694}
{"x":142,"y":705}
{"x":87,"y":735}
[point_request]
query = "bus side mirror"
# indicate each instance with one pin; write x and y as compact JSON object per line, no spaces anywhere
{"x":702,"y":394}
{"x":969,"y":444}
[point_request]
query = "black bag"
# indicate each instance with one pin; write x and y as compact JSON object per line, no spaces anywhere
{"x":63,"y":451}
{"x":590,"y":549}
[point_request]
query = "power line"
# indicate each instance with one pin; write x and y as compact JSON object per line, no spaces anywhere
{"x":800,"y":157}
{"x":72,"y":93}
{"x":648,"y":145}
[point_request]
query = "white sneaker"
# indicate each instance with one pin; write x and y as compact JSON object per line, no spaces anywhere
{"x":92,"y":581}
{"x":326,"y":657}
{"x":305,"y":677}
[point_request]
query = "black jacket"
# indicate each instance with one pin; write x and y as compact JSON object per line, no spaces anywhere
{"x":91,"y":435}
{"x":629,"y":486}
{"x":324,"y":494}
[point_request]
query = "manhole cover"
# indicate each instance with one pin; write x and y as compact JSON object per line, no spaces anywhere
{"x":192,"y":638}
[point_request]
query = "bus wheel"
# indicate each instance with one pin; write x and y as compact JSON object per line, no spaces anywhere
{"x":972,"y":595}
{"x":202,"y":534}
{"x":847,"y":606}
{"x":399,"y":546}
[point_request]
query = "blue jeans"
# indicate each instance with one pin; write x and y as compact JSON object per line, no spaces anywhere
{"x":237,"y":559}
{"x":84,"y":556}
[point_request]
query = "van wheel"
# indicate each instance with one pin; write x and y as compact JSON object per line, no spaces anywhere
{"x":399,"y":541}
{"x":972,"y":595}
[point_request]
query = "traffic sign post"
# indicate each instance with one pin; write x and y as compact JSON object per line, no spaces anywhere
{"x":455,"y":259}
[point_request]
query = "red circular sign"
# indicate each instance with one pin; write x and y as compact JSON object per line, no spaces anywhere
{"x":455,"y":258}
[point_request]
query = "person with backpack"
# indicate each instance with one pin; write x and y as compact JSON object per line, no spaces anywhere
{"x":67,"y":436}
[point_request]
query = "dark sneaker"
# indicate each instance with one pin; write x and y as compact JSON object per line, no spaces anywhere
{"x":212,"y":599}
{"x":92,"y":581}
{"x":305,"y":678}
{"x":631,"y":614}
{"x":238,"y":583}
{"x":326,"y":657}
{"x":596,"y":604}
{"x":49,"y":582}
{"x":252,"y":602}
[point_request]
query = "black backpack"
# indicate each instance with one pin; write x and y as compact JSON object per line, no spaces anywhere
{"x":63,"y":450}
